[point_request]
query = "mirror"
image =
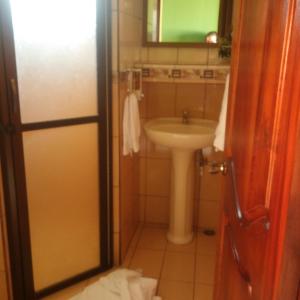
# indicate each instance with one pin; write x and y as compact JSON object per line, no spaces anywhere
{"x":186,"y":22}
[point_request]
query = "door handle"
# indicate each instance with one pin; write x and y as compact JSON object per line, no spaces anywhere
{"x":236,"y":256}
{"x":260,"y":216}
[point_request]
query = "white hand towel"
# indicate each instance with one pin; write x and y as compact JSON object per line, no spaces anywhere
{"x":219,"y":141}
{"x":131,"y":125}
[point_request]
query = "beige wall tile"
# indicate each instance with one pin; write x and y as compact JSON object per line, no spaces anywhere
{"x":123,"y":93}
{"x":129,"y":44}
{"x":157,"y":210}
{"x":149,"y":261}
{"x":129,"y":55}
{"x":174,"y":290}
{"x":143,"y":102}
{"x":214,"y":96}
{"x":162,"y":55}
{"x":211,"y":186}
{"x":130,"y":31}
{"x":132,"y":7}
{"x":157,"y":151}
{"x":160,"y":100}
{"x":114,"y":4}
{"x":143,"y":140}
{"x":142,"y":208}
{"x":209,"y":214}
{"x":144,"y":55}
{"x":129,"y":199}
{"x":158,"y":177}
{"x":203,"y":292}
{"x":214,"y":59}
{"x":153,"y":239}
{"x":143,"y":175}
{"x":190,"y":97}
{"x":126,"y":6}
{"x":115,"y":109}
{"x":197,"y":181}
{"x":196,"y":213}
{"x":130,"y":40}
{"x":138,"y":8}
{"x":193,"y":56}
{"x":179,"y":267}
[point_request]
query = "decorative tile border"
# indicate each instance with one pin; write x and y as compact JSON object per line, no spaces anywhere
{"x":184,"y":74}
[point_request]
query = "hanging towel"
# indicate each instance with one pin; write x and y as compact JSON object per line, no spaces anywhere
{"x":131,"y":125}
{"x":122,"y":284}
{"x":219,"y":141}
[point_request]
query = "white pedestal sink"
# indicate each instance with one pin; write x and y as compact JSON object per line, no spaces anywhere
{"x":183,"y":140}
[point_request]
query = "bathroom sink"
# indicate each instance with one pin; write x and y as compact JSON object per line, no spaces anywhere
{"x":183,"y":140}
{"x":172,"y":133}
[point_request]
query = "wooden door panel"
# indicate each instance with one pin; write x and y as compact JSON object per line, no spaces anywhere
{"x":232,"y":285}
{"x":261,"y":36}
{"x":250,"y":69}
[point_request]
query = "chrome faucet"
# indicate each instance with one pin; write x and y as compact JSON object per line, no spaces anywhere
{"x":185,"y":117}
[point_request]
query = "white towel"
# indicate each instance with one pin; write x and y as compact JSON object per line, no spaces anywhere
{"x":219,"y":141}
{"x":131,"y":125}
{"x":122,"y":284}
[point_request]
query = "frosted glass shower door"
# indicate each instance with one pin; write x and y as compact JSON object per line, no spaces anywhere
{"x":59,"y":111}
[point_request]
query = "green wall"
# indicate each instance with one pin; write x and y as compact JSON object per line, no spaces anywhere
{"x":188,"y":20}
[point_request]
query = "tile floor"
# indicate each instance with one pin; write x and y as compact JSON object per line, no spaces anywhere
{"x":184,"y":272}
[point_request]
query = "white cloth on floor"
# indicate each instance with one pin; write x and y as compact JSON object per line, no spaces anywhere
{"x":219,"y":141}
{"x":122,"y":284}
{"x":131,"y":125}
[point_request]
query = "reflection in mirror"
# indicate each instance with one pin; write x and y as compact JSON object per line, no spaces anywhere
{"x":186,"y":21}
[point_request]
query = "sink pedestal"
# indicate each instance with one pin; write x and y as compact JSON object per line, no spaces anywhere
{"x":181,"y":202}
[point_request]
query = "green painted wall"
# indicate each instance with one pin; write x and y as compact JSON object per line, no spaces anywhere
{"x":188,"y":20}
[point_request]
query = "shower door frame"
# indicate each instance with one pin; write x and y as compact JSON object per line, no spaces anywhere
{"x":12,"y":157}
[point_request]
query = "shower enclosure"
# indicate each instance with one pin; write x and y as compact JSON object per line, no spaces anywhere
{"x":55,"y":141}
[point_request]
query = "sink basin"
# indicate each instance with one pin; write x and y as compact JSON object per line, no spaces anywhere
{"x":183,"y":140}
{"x":171,"y":132}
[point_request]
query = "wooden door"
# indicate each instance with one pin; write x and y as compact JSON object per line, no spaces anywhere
{"x":259,"y":149}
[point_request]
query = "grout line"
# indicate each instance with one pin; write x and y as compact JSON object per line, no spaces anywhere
{"x":146,"y":187}
{"x":139,"y":234}
{"x":195,"y":265}
{"x":162,"y":267}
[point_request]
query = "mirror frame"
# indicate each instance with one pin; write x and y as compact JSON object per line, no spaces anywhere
{"x":226,"y":11}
